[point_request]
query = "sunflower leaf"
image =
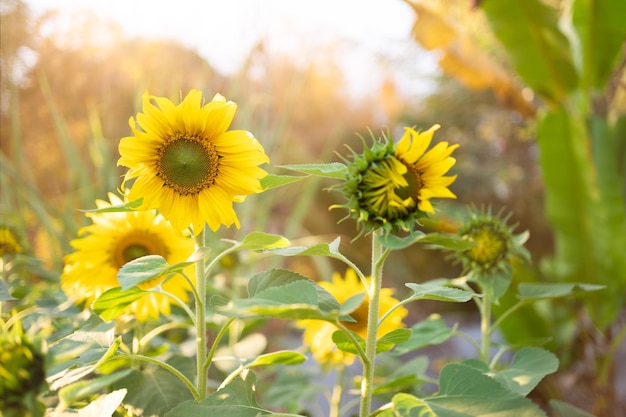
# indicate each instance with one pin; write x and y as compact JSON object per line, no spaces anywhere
{"x":5,"y":295}
{"x":129,"y":206}
{"x":352,"y":304}
{"x":397,"y":243}
{"x":439,"y":293}
{"x":320,"y":249}
{"x":282,"y":357}
{"x":274,"y":181}
{"x":330,"y":170}
{"x":145,"y":269}
{"x":431,"y":331}
{"x":112,"y":303}
{"x":260,"y":240}
{"x":539,"y":291}
{"x":285,"y":294}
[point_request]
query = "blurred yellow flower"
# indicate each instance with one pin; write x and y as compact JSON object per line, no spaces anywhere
{"x":318,"y":334}
{"x":116,"y":238}
{"x":9,"y":241}
{"x":187,"y":165}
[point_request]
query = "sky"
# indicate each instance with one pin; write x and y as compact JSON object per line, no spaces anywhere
{"x":370,"y":39}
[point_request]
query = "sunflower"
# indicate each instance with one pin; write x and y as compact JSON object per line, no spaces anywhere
{"x":495,"y":244}
{"x":187,"y":165}
{"x":9,"y":241}
{"x":116,"y":238}
{"x":318,"y":334}
{"x":391,"y":186}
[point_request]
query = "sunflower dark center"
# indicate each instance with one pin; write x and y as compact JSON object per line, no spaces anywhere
{"x":132,"y":252}
{"x":135,"y":244}
{"x":188,"y":165}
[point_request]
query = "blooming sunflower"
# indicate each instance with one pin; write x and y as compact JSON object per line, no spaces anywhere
{"x":187,"y":165}
{"x":9,"y":241}
{"x":318,"y":334}
{"x":390,"y":186}
{"x":116,"y":238}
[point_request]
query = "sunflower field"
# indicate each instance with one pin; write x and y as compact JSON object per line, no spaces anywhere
{"x":179,"y":240}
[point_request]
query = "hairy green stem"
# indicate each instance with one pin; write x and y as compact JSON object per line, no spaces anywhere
{"x":201,"y":345}
{"x":367,"y":384}
{"x":485,"y":328}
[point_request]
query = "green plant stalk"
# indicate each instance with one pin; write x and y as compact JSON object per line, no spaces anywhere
{"x":485,"y":328}
{"x":367,"y":384}
{"x":201,"y":347}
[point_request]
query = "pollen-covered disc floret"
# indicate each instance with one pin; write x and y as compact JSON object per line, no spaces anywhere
{"x":495,"y":244}
{"x":186,"y":164}
{"x":116,"y":238}
{"x":390,"y":185}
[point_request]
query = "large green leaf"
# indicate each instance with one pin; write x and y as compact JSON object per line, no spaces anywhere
{"x":601,"y":29}
{"x":113,"y":302}
{"x":5,"y":295}
{"x":281,"y":293}
{"x":156,"y":390}
{"x":431,"y":331}
{"x":538,"y":50}
{"x":427,"y":291}
{"x":529,"y":366}
{"x":331,"y":170}
{"x":541,"y":291}
{"x":464,"y":388}
{"x":235,"y":400}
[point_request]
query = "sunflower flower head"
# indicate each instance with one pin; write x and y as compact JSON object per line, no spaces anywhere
{"x":495,"y":244}
{"x":390,"y":185}
{"x":187,"y":164}
{"x":112,"y":240}
{"x":318,"y":334}
{"x":9,"y":241}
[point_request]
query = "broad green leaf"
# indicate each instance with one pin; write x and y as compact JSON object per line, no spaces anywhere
{"x":538,"y":50}
{"x":447,"y":241}
{"x":112,"y":303}
{"x":564,"y":409}
{"x":352,"y":304}
{"x":274,"y":181}
{"x":5,"y":295}
{"x":320,"y":249}
{"x":289,"y":390}
{"x":406,"y":405}
{"x":235,"y":400}
{"x":283,"y":294}
{"x":130,"y":206}
{"x":431,"y":331}
{"x":330,"y":170}
{"x":465,"y":389}
{"x":601,"y":29}
{"x":383,"y":344}
{"x":439,"y":240}
{"x":86,"y":388}
{"x":391,"y":339}
{"x":539,"y":291}
{"x":103,"y":406}
{"x":283,"y":357}
{"x":145,"y":269}
{"x":260,"y":240}
{"x":494,"y":284}
{"x":156,"y":390}
{"x":396,"y":243}
{"x":437,"y":292}
{"x":407,"y":375}
{"x":529,"y":366}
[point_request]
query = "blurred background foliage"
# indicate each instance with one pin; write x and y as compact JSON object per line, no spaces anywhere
{"x":66,"y":97}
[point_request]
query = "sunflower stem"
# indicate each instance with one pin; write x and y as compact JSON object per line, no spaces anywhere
{"x":367,"y":384}
{"x":485,"y":328}
{"x":201,"y":344}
